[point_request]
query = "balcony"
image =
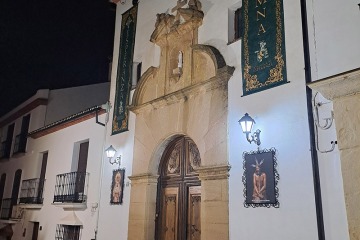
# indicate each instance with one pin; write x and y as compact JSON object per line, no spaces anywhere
{"x":6,"y":208}
{"x":71,"y":187}
{"x":20,"y":143}
{"x":32,"y":191}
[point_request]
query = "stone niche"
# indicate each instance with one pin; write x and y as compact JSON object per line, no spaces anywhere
{"x":186,"y":95}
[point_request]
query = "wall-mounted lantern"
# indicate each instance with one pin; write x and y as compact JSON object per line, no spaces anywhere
{"x":110,"y":153}
{"x":246,"y":123}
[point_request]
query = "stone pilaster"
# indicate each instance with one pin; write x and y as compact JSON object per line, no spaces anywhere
{"x":344,"y":91}
{"x":214,"y":202}
{"x":142,"y":207}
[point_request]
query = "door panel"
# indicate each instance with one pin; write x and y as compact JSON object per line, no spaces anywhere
{"x":169,"y":228}
{"x":42,"y":176}
{"x":194,"y":206}
{"x":81,"y":171}
{"x":83,"y":155}
{"x":35,"y":231}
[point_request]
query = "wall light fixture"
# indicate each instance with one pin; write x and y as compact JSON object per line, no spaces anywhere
{"x":246,"y":123}
{"x":110,"y":153}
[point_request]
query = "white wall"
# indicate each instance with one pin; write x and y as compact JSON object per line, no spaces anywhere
{"x":113,"y":221}
{"x":60,"y":156}
{"x":334,"y":36}
{"x":334,"y":48}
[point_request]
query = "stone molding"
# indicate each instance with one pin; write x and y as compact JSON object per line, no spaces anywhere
{"x":213,"y":52}
{"x":169,"y":27}
{"x":144,"y":178}
{"x":213,"y":172}
{"x":340,"y":85}
{"x":221,"y":79}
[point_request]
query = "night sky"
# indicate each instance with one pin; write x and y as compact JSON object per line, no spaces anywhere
{"x":52,"y":44}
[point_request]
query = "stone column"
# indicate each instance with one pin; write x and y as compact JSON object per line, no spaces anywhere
{"x":214,"y":202}
{"x":142,"y":207}
{"x":344,"y":91}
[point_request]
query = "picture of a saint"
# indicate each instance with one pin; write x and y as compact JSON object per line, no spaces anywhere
{"x":117,"y":186}
{"x":259,"y":182}
{"x":260,"y":179}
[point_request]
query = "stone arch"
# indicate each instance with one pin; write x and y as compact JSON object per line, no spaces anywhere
{"x":159,"y":151}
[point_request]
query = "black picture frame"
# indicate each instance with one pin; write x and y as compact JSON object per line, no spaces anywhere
{"x":260,"y":179}
{"x":117,"y":186}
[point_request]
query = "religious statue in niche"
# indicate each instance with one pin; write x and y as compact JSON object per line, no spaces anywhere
{"x":166,"y":23}
{"x":260,"y":179}
{"x":178,"y":71}
{"x":182,"y":14}
{"x":117,"y":186}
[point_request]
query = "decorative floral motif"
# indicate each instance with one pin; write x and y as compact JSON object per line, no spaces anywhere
{"x":194,"y":159}
{"x":174,"y":162}
{"x":171,"y":198}
{"x":195,"y":199}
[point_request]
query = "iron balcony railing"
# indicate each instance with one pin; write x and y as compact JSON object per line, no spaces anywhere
{"x":6,"y":208}
{"x":71,"y":187}
{"x":32,"y":191}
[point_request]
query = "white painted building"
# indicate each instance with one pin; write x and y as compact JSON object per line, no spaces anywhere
{"x":202,"y":108}
{"x":59,"y":127}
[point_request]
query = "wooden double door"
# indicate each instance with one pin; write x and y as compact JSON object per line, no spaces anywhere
{"x":179,"y":192}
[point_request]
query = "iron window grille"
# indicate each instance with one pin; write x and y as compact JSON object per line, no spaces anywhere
{"x":67,"y":232}
{"x":6,"y":208}
{"x":32,"y":191}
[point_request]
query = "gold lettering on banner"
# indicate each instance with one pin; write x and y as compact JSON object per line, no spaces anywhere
{"x":261,"y":2}
{"x":263,"y":14}
{"x":261,"y":29}
{"x":275,"y":73}
{"x":259,"y":14}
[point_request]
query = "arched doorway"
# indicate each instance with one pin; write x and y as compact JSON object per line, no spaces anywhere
{"x":179,"y":192}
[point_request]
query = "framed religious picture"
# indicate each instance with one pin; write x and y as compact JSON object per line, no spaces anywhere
{"x":260,"y":179}
{"x":117,"y":186}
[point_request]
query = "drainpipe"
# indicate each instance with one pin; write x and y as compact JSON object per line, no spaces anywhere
{"x":107,"y":107}
{"x":314,"y":155}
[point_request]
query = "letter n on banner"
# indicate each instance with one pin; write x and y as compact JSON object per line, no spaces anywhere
{"x":124,"y":71}
{"x":263,"y":45}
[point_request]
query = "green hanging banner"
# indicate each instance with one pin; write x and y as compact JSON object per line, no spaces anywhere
{"x":263,"y":45}
{"x":124,"y":71}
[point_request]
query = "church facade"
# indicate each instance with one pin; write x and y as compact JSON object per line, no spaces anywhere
{"x":184,"y":167}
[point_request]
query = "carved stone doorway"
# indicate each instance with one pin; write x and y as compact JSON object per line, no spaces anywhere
{"x":179,"y":195}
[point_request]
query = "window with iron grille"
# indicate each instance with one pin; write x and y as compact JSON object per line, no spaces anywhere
{"x":67,"y":232}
